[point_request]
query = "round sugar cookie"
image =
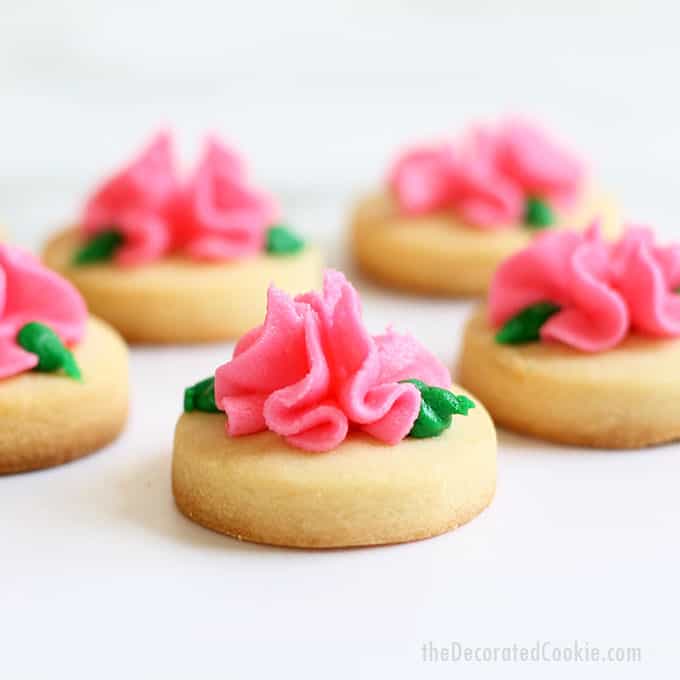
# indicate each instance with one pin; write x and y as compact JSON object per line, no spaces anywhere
{"x":49,"y":419}
{"x":439,"y":254}
{"x":257,"y":488}
{"x":179,"y":300}
{"x":626,"y":397}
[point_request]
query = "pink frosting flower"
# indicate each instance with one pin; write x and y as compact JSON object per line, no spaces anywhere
{"x":217,"y":215}
{"x":569,"y":269}
{"x":30,"y":292}
{"x":603,"y":290}
{"x":536,"y":164}
{"x":134,"y":201}
{"x":488,"y":177}
{"x":648,"y":277}
{"x":312,"y":371}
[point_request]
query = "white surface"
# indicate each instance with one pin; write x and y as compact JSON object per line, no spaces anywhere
{"x":100,"y":576}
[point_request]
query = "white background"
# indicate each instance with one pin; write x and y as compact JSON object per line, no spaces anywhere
{"x":99,"y":575}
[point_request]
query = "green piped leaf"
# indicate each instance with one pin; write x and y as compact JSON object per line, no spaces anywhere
{"x":282,"y":241}
{"x":526,"y":326}
{"x":100,"y":248}
{"x":437,"y":407}
{"x":538,"y":214}
{"x":201,"y":397}
{"x":52,"y":354}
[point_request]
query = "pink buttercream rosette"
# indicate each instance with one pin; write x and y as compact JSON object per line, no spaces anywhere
{"x":213,"y":215}
{"x":604,"y":291}
{"x":311,"y":372}
{"x":488,"y":176}
{"x":29,"y":292}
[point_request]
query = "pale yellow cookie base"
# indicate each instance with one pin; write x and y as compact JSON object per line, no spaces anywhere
{"x":259,"y":489}
{"x":627,"y":397}
{"x":439,"y":254}
{"x":48,"y":419}
{"x":177,"y":300}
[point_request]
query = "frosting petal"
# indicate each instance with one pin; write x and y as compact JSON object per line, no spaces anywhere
{"x":146,"y":238}
{"x":322,"y":428}
{"x":135,"y":201}
{"x":217,"y":215}
{"x":594,"y":317}
{"x":402,"y":357}
{"x":421,"y":179}
{"x":647,"y":277}
{"x":302,"y":412}
{"x":528,"y":157}
{"x":31,"y":292}
{"x":484,"y":197}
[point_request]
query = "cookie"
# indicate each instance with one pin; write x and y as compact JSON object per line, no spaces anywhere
{"x":258,"y":488}
{"x":172,"y":259}
{"x":177,"y":299}
{"x":451,"y":211}
{"x":317,"y":434}
{"x":49,"y":419}
{"x":439,"y":254}
{"x":580,"y":341}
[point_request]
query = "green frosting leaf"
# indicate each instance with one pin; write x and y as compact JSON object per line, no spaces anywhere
{"x":437,"y":407}
{"x":201,"y":397}
{"x":538,"y":214}
{"x":100,"y":248}
{"x":282,"y":241}
{"x":526,"y":326}
{"x":52,"y":354}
